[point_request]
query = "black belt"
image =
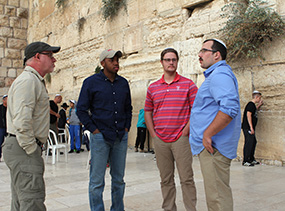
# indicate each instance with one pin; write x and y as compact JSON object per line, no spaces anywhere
{"x":37,"y":140}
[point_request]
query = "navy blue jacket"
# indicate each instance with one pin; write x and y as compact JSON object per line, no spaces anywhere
{"x":105,"y":105}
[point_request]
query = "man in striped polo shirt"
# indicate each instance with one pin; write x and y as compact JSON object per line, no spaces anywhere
{"x":167,"y":111}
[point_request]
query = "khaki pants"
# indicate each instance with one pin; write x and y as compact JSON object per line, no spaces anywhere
{"x":216,"y":173}
{"x":166,"y":154}
{"x":26,"y":171}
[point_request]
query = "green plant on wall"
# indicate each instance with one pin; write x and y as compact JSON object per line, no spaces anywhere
{"x":111,"y":8}
{"x":60,"y":3}
{"x":250,"y":24}
{"x":97,"y":69}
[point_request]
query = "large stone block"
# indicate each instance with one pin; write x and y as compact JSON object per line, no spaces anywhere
{"x":22,"y":13}
{"x":10,"y":10}
{"x":12,"y":73}
{"x":24,"y":23}
{"x":114,"y":41}
{"x":16,"y":43}
{"x":12,"y":53}
{"x":3,"y":71}
{"x":6,"y":62}
{"x":46,"y":7}
{"x":8,"y":81}
{"x":17,"y":63}
{"x":4,"y":2}
{"x":15,"y":22}
{"x":15,"y":3}
{"x":1,"y":9}
{"x":133,"y":41}
{"x":1,"y":52}
{"x":24,"y":3}
{"x":20,"y":33}
{"x":5,"y":32}
{"x":2,"y":42}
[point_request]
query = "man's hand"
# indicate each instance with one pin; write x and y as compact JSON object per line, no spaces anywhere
{"x":251,"y":131}
{"x":57,"y":115}
{"x":207,"y":143}
{"x":96,"y":131}
{"x":186,"y":130}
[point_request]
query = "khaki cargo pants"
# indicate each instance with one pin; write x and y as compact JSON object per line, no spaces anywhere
{"x":26,"y":171}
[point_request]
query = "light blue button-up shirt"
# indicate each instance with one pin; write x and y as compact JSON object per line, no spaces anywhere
{"x":219,"y":92}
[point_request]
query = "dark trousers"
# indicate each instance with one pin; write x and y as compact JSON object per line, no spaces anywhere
{"x":249,"y":146}
{"x":141,"y":134}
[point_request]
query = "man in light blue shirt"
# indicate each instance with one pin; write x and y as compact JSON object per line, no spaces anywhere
{"x":215,"y":124}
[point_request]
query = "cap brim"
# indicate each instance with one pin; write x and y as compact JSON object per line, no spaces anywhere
{"x":53,"y":49}
{"x":119,"y":54}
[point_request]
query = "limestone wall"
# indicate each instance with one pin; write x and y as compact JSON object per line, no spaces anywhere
{"x":13,"y":39}
{"x":142,"y":32}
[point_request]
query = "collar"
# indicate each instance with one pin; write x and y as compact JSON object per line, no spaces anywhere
{"x":32,"y":70}
{"x":177,"y":77}
{"x":105,"y":77}
{"x":208,"y":72}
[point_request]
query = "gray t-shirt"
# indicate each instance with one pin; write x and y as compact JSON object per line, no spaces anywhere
{"x":73,"y":118}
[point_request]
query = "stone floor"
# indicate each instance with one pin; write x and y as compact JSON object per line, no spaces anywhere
{"x":259,"y":188}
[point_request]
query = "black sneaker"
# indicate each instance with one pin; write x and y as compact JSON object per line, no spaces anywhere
{"x":71,"y":151}
{"x":255,"y":162}
{"x":77,"y":151}
{"x":247,"y":164}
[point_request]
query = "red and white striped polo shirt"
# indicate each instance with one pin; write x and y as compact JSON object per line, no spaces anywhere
{"x":170,"y":105}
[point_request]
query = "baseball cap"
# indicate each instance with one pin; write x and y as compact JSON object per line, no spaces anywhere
{"x":57,"y":95}
{"x":256,"y":92}
{"x":37,"y":47}
{"x":109,"y":53}
{"x":72,"y":101}
{"x":4,"y":96}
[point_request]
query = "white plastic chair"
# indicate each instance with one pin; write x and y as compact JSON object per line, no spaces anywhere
{"x":87,"y":133}
{"x":55,"y":148}
{"x":65,"y":134}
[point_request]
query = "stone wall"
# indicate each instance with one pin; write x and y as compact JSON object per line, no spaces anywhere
{"x":13,"y":39}
{"x":142,"y":32}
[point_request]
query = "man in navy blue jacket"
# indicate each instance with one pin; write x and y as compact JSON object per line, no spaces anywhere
{"x":104,"y":108}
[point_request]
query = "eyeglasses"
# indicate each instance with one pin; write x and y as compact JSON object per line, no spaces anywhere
{"x":50,"y":55}
{"x":203,"y":50}
{"x":169,"y":60}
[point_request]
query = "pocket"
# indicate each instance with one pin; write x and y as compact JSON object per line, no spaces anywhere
{"x":30,"y":178}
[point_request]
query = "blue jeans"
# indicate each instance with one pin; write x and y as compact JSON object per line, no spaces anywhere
{"x":74,"y":131}
{"x":101,"y":152}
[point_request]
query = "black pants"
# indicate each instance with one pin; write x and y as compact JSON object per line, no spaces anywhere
{"x":249,"y":146}
{"x":141,"y":134}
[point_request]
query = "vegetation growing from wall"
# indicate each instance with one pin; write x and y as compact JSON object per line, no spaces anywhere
{"x":97,"y":69}
{"x":111,"y":8}
{"x":60,"y":3}
{"x":250,"y":24}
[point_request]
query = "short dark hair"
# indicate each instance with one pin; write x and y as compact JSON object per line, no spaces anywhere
{"x":167,"y":50}
{"x":217,"y":46}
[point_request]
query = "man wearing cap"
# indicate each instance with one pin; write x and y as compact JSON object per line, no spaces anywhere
{"x":62,"y":119}
{"x":104,"y":108}
{"x":215,"y":124}
{"x":3,"y":127}
{"x":74,"y":128}
{"x":27,"y":127}
{"x":167,"y":110}
{"x":54,"y":115}
{"x":248,"y":127}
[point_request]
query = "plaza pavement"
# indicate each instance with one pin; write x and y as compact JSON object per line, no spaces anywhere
{"x":259,"y":188}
